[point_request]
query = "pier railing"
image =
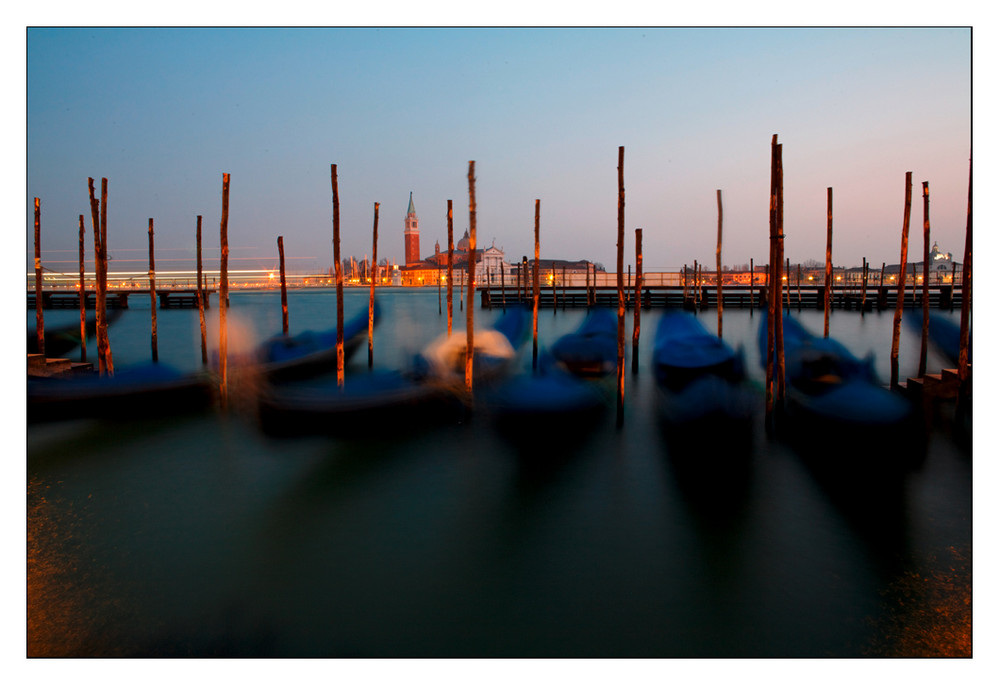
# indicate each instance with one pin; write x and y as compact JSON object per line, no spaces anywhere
{"x":944,"y":296}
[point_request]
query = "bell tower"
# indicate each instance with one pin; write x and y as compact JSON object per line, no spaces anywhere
{"x":411,"y":235}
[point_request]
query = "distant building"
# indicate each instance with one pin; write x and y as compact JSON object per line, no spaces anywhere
{"x":941,"y":267}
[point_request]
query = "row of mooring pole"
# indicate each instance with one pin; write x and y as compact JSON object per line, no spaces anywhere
{"x":777,"y":292}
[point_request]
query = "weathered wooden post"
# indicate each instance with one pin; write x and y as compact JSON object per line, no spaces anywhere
{"x":83,"y":299}
{"x":774,"y":297}
{"x":152,"y":294}
{"x":621,"y":286}
{"x":752,"y":291}
{"x":864,"y":283}
{"x":924,"y":329}
{"x":638,"y":296}
{"x":503,"y":287}
{"x":798,"y":283}
{"x":564,"y":288}
{"x":900,"y":286}
{"x":284,"y":291}
{"x":787,"y":283}
{"x":587,"y":287}
{"x":552,"y":278}
{"x":697,"y":286}
{"x":951,"y":296}
{"x":963,"y":336}
{"x":98,"y":310}
{"x":628,"y":286}
{"x":451,"y":262}
{"x":779,"y":324}
{"x":718,"y":262}
{"x":338,"y":275}
{"x":882,"y":297}
{"x":535,"y":294}
{"x":371,"y":291}
{"x":201,"y":294}
{"x":99,"y":217}
{"x":470,"y":267}
{"x":224,"y":295}
{"x":828,"y":280}
{"x":39,"y":317}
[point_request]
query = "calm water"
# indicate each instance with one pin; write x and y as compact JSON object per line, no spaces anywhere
{"x":200,"y":536}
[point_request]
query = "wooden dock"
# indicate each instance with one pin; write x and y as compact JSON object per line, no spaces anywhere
{"x":39,"y":365}
{"x":733,"y":296}
{"x":171,"y":298}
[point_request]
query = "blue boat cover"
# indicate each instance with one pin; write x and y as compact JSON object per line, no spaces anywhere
{"x":284,"y":348}
{"x":681,"y":341}
{"x":594,"y":342}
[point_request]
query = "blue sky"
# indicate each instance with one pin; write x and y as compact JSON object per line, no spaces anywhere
{"x":163,"y":113}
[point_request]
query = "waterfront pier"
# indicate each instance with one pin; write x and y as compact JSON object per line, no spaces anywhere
{"x":944,"y":296}
{"x":118,"y":299}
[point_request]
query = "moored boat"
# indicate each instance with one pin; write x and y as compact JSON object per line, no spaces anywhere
{"x":494,"y":352}
{"x":143,"y":390}
{"x":833,"y":394}
{"x":369,"y":401}
{"x":591,"y":350}
{"x":699,"y":375}
{"x":310,"y":353}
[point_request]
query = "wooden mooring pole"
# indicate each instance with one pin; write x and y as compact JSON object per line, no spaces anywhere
{"x":99,"y":217}
{"x":284,"y":291}
{"x":774,"y":371}
{"x":83,"y":299}
{"x":372,"y":272}
{"x":638,"y":301}
{"x":924,"y":329}
{"x":552,"y":279}
{"x":621,"y":286}
{"x":900,"y":285}
{"x":864,"y":284}
{"x":828,"y":279}
{"x":39,"y":317}
{"x":779,"y":325}
{"x":152,"y":295}
{"x":963,"y":336}
{"x":535,"y":294}
{"x":339,"y":275}
{"x":224,"y":295}
{"x":718,"y":262}
{"x":471,"y":267}
{"x":451,"y":262}
{"x":201,"y":294}
{"x":564,"y":288}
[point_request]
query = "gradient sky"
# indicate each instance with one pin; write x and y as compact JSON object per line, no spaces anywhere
{"x":163,"y":113}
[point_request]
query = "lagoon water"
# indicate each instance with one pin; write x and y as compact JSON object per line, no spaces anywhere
{"x":199,"y":536}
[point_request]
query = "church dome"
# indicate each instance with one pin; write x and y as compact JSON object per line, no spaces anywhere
{"x":463,"y":244}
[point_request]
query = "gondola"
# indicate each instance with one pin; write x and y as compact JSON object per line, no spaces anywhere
{"x":541,"y":412}
{"x":700,"y":377}
{"x":369,"y":403}
{"x":310,"y":353}
{"x":62,"y":339}
{"x":494,"y":352}
{"x":148,"y":390}
{"x":591,"y":350}
{"x":397,"y":400}
{"x":827,"y":387}
{"x":943,"y":333}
